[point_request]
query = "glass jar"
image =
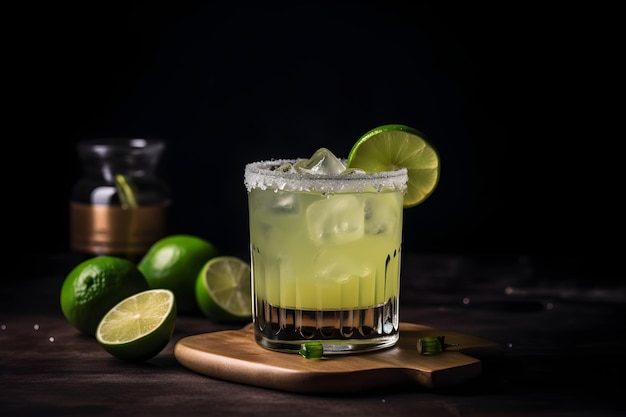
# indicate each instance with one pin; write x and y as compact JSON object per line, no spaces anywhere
{"x":119,"y":207}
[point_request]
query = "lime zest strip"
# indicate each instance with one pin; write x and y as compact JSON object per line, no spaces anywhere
{"x":429,"y":345}
{"x":432,"y":345}
{"x":126,"y":191}
{"x":311,"y":350}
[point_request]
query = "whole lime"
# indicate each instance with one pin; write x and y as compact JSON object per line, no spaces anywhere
{"x":94,"y":286}
{"x":173,"y":263}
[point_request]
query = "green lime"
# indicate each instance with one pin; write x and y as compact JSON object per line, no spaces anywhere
{"x":94,"y":286}
{"x":394,"y":146}
{"x":140,"y":326}
{"x":223,"y":290}
{"x":173,"y":263}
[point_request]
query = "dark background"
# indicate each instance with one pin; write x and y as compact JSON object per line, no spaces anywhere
{"x":510,"y":95}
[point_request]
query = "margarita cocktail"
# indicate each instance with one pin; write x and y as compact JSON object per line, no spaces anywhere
{"x":325,"y":244}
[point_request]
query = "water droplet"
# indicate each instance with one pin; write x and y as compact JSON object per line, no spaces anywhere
{"x":466,"y":300}
{"x":51,"y":339}
{"x":3,"y":327}
{"x":36,"y":327}
{"x":549,"y":306}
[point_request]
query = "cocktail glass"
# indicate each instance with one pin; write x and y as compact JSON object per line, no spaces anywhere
{"x":325,"y":247}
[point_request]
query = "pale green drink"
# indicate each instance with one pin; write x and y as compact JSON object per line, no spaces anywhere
{"x":325,"y":255}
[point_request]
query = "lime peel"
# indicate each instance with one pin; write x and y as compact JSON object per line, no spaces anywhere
{"x":126,"y":191}
{"x":432,"y":345}
{"x":311,"y":350}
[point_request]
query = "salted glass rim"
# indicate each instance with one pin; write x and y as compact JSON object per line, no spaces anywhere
{"x":262,"y":175}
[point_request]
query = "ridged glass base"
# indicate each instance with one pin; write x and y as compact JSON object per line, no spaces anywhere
{"x":340,"y":331}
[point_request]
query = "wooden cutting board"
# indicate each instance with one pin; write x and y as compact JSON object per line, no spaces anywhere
{"x":233,"y":355}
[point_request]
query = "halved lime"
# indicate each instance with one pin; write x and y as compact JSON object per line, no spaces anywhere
{"x":394,"y":146}
{"x":140,"y":326}
{"x":223,"y":290}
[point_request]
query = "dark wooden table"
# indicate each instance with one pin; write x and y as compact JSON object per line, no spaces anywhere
{"x":563,"y":336}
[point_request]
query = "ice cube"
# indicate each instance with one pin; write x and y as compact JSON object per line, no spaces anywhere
{"x":323,"y":162}
{"x":381,"y":216}
{"x":283,"y":203}
{"x":336,"y":219}
{"x":277,"y":202}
